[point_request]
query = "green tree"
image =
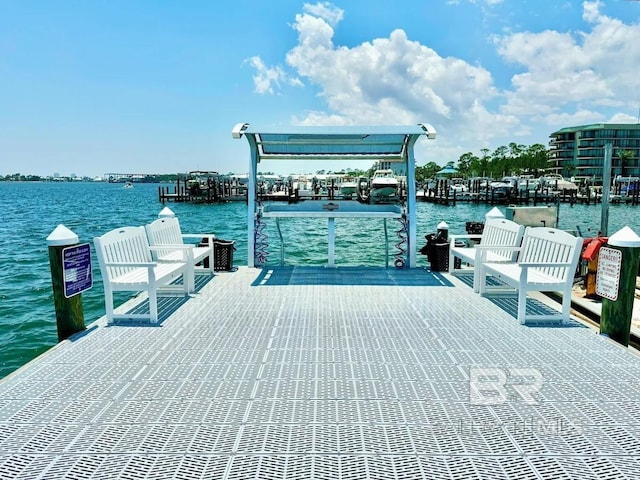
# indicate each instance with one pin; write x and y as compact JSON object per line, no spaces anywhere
{"x":625,"y":157}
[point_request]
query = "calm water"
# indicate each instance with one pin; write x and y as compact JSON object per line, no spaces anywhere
{"x":31,"y":211}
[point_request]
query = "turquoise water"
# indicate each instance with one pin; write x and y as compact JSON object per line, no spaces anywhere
{"x":31,"y":211}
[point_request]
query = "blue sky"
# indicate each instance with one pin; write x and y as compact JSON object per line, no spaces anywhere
{"x":89,"y":87}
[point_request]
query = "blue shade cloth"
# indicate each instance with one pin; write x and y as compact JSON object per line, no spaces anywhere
{"x":304,"y":275}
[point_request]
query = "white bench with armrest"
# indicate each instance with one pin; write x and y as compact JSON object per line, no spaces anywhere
{"x":498,"y":232}
{"x":547,"y":261}
{"x":166,"y":236}
{"x":126,"y":264}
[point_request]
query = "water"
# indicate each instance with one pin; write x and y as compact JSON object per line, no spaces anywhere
{"x":31,"y":211}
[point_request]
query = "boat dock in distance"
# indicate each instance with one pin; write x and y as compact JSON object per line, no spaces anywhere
{"x":212,"y":187}
{"x":451,"y":191}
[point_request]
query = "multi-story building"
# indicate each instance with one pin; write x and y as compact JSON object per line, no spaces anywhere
{"x":579,"y":151}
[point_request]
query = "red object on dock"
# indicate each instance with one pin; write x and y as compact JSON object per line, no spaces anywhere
{"x":590,"y":252}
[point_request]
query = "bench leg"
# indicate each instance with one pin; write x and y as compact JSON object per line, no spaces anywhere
{"x":189,"y":278}
{"x":477,"y":275}
{"x":566,"y":305}
{"x":153,"y":305}
{"x":522,"y":305}
{"x":108,"y":305}
{"x":210,"y":268}
{"x":479,"y":283}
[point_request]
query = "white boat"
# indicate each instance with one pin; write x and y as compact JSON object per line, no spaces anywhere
{"x":348,"y":188}
{"x":384,"y":185}
{"x":128,"y":185}
{"x":457,"y":186}
{"x":557,"y":182}
{"x":528,"y":182}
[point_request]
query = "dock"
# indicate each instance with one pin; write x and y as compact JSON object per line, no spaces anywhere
{"x":326,"y":373}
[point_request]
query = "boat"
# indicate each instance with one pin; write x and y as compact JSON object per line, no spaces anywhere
{"x":384,"y":186}
{"x":199,"y":181}
{"x":128,"y":185}
{"x":627,"y":185}
{"x":557,"y":182}
{"x":528,"y":183}
{"x":348,"y":188}
{"x":500,"y":189}
{"x":457,"y":186}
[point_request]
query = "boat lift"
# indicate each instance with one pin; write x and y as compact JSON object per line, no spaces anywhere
{"x":343,"y":143}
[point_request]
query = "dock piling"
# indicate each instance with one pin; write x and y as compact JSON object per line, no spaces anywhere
{"x":69,"y":311}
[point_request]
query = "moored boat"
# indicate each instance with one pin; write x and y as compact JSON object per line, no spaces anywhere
{"x":557,"y":182}
{"x":384,"y":185}
{"x":348,"y":188}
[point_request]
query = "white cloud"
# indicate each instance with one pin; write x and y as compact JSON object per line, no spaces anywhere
{"x":624,"y":118}
{"x":564,"y":79}
{"x":562,"y":71}
{"x":266,"y":77}
{"x":325,"y":10}
{"x":394,"y":81}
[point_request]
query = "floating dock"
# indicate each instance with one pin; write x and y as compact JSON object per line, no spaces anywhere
{"x":343,"y":373}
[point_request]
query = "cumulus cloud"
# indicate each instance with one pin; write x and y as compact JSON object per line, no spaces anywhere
{"x":563,"y":71}
{"x":562,"y":78}
{"x":266,"y":78}
{"x":393,"y":80}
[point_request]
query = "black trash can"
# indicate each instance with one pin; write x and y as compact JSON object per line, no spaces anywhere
{"x":439,"y":257}
{"x":437,"y":251}
{"x":223,"y":254}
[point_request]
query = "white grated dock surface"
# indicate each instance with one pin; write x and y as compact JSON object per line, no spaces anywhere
{"x":323,"y":382}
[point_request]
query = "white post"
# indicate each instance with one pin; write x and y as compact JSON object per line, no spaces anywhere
{"x":166,"y":212}
{"x":332,"y":241}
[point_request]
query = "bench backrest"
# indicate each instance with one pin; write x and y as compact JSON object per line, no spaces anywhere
{"x":125,"y":245}
{"x":503,"y":232}
{"x":544,"y":245}
{"x":164,"y":231}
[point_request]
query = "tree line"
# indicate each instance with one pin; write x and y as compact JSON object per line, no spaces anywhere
{"x":514,"y":159}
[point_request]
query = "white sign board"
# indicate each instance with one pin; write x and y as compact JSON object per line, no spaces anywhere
{"x":608,"y":274}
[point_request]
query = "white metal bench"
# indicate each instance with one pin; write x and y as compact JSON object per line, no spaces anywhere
{"x":546,"y":262}
{"x":498,"y":232}
{"x":126,"y":264}
{"x":165,"y":234}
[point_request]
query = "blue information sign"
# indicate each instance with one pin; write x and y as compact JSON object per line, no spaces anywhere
{"x":76,"y":269}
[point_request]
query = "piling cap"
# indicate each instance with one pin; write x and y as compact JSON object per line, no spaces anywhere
{"x":62,"y":236}
{"x":624,"y":237}
{"x":443,"y":226}
{"x":166,"y":212}
{"x":494,"y":213}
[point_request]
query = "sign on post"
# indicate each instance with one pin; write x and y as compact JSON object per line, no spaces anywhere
{"x":76,"y":269}
{"x":608,"y":274}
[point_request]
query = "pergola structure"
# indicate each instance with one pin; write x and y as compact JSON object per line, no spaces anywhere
{"x":343,"y":143}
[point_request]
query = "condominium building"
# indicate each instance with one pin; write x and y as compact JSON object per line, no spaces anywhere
{"x":579,"y":151}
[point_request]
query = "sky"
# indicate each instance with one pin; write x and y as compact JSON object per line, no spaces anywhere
{"x":115,"y":86}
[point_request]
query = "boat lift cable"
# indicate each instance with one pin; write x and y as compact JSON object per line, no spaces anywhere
{"x":401,"y":245}
{"x":261,"y":247}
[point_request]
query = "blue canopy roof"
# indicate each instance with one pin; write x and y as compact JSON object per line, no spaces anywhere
{"x":382,"y":143}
